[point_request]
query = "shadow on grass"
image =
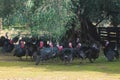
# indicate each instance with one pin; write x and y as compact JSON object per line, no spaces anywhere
{"x":100,"y":65}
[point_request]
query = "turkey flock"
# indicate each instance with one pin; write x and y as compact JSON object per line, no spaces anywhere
{"x":42,"y":49}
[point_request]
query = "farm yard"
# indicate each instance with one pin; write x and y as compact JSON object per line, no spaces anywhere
{"x":12,"y":68}
{"x":59,"y":39}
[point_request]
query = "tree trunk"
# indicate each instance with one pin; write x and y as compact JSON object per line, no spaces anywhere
{"x":86,"y":34}
{"x":88,"y":30}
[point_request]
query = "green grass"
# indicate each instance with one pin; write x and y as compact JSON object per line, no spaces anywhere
{"x":12,"y":68}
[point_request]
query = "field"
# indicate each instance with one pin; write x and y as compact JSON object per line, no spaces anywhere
{"x":11,"y":68}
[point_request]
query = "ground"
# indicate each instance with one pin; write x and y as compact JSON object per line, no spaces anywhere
{"x":11,"y":68}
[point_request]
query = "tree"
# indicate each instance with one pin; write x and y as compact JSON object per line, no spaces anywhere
{"x":68,"y":19}
{"x":38,"y":16}
{"x":88,"y":15}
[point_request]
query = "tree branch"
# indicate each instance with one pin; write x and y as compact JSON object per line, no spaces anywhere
{"x":101,"y":20}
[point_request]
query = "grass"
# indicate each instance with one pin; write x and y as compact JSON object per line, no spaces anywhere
{"x":11,"y":68}
{"x":14,"y":69}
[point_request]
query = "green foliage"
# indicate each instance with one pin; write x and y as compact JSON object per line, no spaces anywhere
{"x":40,"y":16}
{"x":97,"y":10}
{"x":51,"y":16}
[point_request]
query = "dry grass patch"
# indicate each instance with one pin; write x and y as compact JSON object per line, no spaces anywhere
{"x":11,"y":68}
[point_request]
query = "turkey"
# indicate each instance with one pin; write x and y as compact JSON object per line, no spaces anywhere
{"x":20,"y":50}
{"x":110,"y":51}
